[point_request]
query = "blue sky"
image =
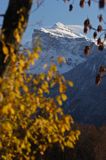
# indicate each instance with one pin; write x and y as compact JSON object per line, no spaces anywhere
{"x":52,"y":11}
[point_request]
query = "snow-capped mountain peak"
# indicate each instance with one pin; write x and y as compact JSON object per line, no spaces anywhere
{"x":61,"y":30}
{"x":59,"y":41}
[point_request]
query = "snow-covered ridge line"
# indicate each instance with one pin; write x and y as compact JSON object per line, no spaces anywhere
{"x":61,"y":30}
{"x":60,"y":41}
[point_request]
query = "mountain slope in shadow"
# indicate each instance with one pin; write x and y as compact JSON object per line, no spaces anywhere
{"x":87,"y":104}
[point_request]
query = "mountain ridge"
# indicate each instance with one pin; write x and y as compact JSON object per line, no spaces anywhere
{"x":59,"y":40}
{"x":87,"y":102}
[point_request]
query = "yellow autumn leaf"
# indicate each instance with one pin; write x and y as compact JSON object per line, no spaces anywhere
{"x":5,"y":50}
{"x":13,"y":58}
{"x":22,"y":107}
{"x":23,"y":145}
{"x":35,"y":82}
{"x":25,"y":88}
{"x":38,"y":100}
{"x":72,"y":138}
{"x":22,"y":63}
{"x":64,"y":97}
{"x":42,"y":76}
{"x":77,"y":134}
{"x":7,"y":109}
{"x":12,"y":49}
{"x":20,"y":26}
{"x":17,"y":36}
{"x":7,"y":126}
{"x":49,"y":139}
{"x":69,"y":144}
{"x":70,"y":83}
{"x":62,"y":129}
{"x":58,"y":98}
{"x":35,"y":55}
{"x":40,"y":91}
{"x":22,"y":19}
{"x":53,"y":68}
{"x":62,"y":88}
{"x":60,"y":59}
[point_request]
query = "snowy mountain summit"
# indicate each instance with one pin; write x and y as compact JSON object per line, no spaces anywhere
{"x":61,"y":30}
{"x":66,"y":41}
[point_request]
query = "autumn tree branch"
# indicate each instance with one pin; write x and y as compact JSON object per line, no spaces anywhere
{"x":15,"y":19}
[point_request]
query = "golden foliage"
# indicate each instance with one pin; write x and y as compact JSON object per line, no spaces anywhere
{"x":30,"y":119}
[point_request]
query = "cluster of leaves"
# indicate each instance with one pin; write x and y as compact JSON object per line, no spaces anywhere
{"x":30,"y":120}
{"x":101,"y":3}
{"x":99,"y":36}
{"x":91,"y":145}
{"x":82,"y":3}
{"x":98,"y":33}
